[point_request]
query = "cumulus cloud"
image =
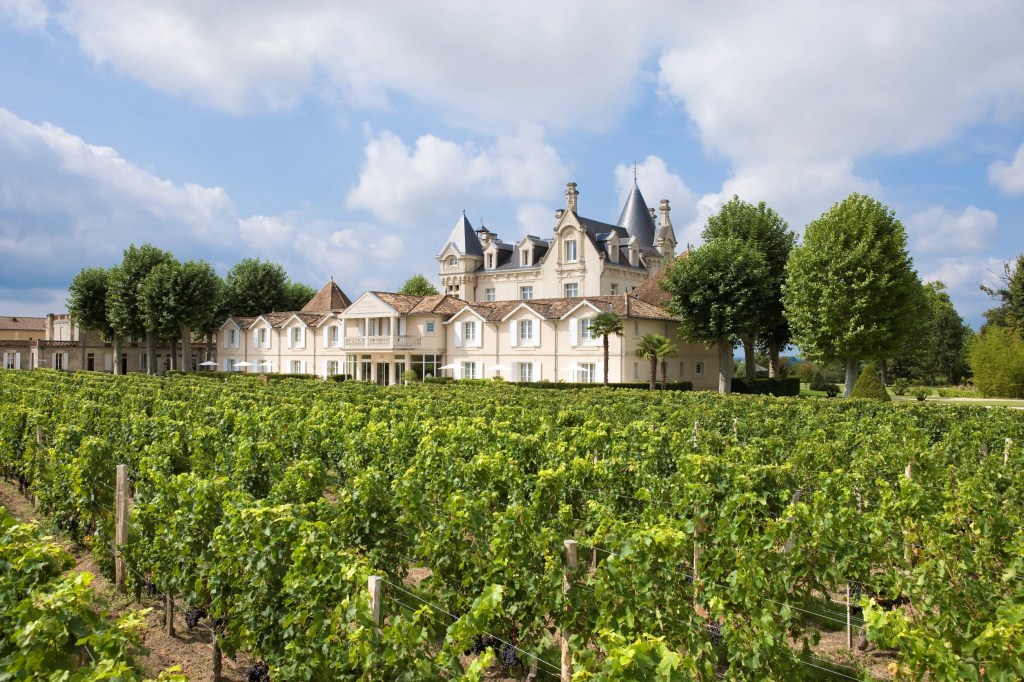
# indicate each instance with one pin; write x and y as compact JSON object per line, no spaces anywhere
{"x":1009,"y":177}
{"x":25,"y":14}
{"x":963,"y":278}
{"x":66,"y":204}
{"x":407,"y":185}
{"x":486,"y":63}
{"x":937,"y":230}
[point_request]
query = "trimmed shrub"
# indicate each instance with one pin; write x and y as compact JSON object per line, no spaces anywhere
{"x":900,"y":386}
{"x":997,"y":360}
{"x":869,"y":385}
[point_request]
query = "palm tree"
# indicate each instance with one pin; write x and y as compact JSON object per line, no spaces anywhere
{"x":603,"y":325}
{"x":647,"y":348}
{"x":665,"y":351}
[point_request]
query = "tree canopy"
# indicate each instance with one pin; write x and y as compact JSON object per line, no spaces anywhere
{"x":715,"y":292}
{"x":769,"y":234}
{"x":851,"y":291}
{"x":418,"y":285}
{"x":297,"y":295}
{"x":1010,"y":295}
{"x":124,"y":296}
{"x":87,"y":300}
{"x":253,"y":287}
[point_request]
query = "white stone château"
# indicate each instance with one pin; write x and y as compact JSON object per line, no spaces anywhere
{"x":583,"y":257}
{"x":521,"y":311}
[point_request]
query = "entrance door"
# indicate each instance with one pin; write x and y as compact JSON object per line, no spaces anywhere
{"x":383,"y":375}
{"x":367,"y":369}
{"x":124,"y":363}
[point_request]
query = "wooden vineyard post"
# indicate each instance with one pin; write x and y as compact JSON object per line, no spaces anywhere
{"x":696,"y":428}
{"x":216,"y":663}
{"x":849,"y":619}
{"x":39,"y":434}
{"x":792,"y":536}
{"x":908,"y":550}
{"x":374,"y":585}
{"x":169,"y":613}
{"x":1006,"y":450}
{"x":120,"y":524}
{"x":698,"y":530}
{"x":570,"y":570}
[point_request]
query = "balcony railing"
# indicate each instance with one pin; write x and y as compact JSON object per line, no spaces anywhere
{"x":381,"y":342}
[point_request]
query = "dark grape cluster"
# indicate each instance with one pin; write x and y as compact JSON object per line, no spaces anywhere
{"x":258,"y":673}
{"x":151,"y":590}
{"x":193,"y":616}
{"x":218,"y":624}
{"x":506,"y":653}
{"x":714,"y":629}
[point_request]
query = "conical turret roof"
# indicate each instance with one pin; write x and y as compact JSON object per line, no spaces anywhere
{"x":464,"y":238}
{"x":330,"y":297}
{"x":636,"y":218}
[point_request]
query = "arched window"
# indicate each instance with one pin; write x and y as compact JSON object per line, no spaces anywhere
{"x":453,"y":262}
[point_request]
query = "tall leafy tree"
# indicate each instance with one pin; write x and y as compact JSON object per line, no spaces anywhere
{"x":604,"y":325}
{"x":769,"y":234}
{"x":124,"y":296}
{"x":87,"y":305}
{"x":851,"y":288}
{"x":647,"y":348}
{"x":938,"y":349}
{"x":254,"y":287}
{"x":1010,"y":295}
{"x":178,"y":298}
{"x":297,"y":295}
{"x":716,"y":290}
{"x":418,"y":285}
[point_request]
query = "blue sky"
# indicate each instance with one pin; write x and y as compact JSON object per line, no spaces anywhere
{"x":345,"y":139}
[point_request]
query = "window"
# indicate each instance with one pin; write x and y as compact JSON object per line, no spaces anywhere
{"x":233,"y":338}
{"x":588,"y":372}
{"x":615,"y":289}
{"x":526,"y":331}
{"x":586,"y":333}
{"x":332,"y":367}
{"x":572,"y":290}
{"x":699,"y":369}
{"x":524,"y":257}
{"x":490,"y":261}
{"x":526,"y":371}
{"x":58,"y":361}
{"x":90,"y":362}
{"x":636,"y":328}
{"x":469,"y":331}
{"x":296,"y":336}
{"x":453,"y":262}
{"x":295,"y":367}
{"x":682,"y":370}
{"x":9,"y":360}
{"x":489,"y":294}
{"x":570,"y":249}
{"x":468,"y":369}
{"x":430,"y":328}
{"x":636,"y":371}
{"x":526,"y":292}
{"x":143,"y":360}
{"x":264,"y":338}
{"x":334,"y":336}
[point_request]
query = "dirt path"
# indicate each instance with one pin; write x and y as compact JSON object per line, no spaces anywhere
{"x":189,"y":650}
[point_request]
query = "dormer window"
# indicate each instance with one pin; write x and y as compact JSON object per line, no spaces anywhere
{"x":490,"y":261}
{"x":453,"y":262}
{"x":570,"y":250}
{"x":524,"y":257}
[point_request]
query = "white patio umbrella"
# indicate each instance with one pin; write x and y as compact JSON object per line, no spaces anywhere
{"x":500,"y":368}
{"x":208,"y":363}
{"x":243,"y":364}
{"x":572,"y":367}
{"x":451,"y":366}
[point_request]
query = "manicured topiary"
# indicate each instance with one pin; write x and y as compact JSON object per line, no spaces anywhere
{"x":869,"y":385}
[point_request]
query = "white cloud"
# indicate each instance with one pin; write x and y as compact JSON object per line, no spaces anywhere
{"x":1009,"y":177}
{"x":491,"y":63}
{"x":534,"y":218}
{"x":937,"y":230}
{"x":27,"y":15}
{"x":66,"y":204}
{"x":405,"y":185}
{"x":963,"y":278}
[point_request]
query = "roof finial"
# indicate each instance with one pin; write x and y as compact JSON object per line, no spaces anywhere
{"x":634,"y":171}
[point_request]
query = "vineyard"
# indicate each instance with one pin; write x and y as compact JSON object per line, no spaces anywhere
{"x":619,"y":535}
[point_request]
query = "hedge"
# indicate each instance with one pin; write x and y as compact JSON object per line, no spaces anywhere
{"x":789,"y":386}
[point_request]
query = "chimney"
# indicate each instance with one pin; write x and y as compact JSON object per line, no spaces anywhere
{"x":49,"y":326}
{"x":570,"y":196}
{"x":559,"y":213}
{"x":651,"y":211}
{"x":664,"y":213}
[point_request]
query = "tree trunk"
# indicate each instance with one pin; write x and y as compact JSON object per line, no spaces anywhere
{"x":749,"y":363}
{"x":186,"y":349}
{"x":606,"y":354}
{"x":664,"y":373}
{"x":884,"y":372}
{"x":773,"y":361}
{"x":117,"y":353}
{"x":150,"y":353}
{"x":724,"y":367}
{"x":851,"y":376}
{"x":654,"y":373}
{"x":215,"y":677}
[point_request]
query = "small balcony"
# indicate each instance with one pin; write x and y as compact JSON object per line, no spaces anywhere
{"x":382,"y":342}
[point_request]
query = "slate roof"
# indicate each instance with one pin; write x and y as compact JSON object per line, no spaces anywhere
{"x":330,"y":297}
{"x":464,"y":238}
{"x":636,"y":218}
{"x":19,"y":323}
